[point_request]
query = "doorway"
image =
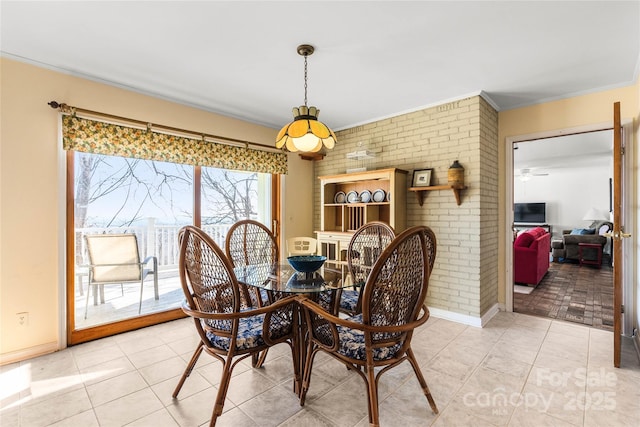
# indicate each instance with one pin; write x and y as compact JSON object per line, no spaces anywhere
{"x":562,"y":185}
{"x":626,"y":211}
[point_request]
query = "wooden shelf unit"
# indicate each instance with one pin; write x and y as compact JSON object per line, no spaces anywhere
{"x":420,"y":191}
{"x":338,"y":221}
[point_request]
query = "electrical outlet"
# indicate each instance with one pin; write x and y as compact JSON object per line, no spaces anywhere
{"x":23,"y":318}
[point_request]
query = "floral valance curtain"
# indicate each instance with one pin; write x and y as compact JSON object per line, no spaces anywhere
{"x":91,"y":136}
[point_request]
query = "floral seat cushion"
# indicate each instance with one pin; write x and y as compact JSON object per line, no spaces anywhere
{"x":349,"y":299}
{"x":352,"y":343}
{"x":249,"y":334}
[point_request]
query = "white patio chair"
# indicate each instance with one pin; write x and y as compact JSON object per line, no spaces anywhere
{"x":115,"y":259}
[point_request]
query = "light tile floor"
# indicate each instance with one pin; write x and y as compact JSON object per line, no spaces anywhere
{"x":517,"y":371}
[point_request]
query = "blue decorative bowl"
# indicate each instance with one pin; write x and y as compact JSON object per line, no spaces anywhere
{"x":306,"y":263}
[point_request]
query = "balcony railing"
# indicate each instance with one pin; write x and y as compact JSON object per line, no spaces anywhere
{"x":153,"y":240}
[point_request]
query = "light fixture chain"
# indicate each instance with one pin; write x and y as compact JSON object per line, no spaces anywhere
{"x":305,"y":80}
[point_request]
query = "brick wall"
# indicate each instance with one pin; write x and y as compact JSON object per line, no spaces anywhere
{"x":488,"y":206}
{"x":465,"y":276}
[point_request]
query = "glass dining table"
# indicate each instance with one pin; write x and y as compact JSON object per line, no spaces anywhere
{"x":283,"y":279}
{"x":276,"y":281}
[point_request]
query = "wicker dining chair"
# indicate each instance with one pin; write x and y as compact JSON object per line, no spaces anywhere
{"x":250,"y":242}
{"x":393,"y":305}
{"x":365,"y":246}
{"x":229,"y":329}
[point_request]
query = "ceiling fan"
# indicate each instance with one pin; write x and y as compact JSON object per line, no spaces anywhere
{"x":527,"y":173}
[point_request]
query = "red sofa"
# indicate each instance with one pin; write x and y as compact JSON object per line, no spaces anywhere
{"x":531,"y":256}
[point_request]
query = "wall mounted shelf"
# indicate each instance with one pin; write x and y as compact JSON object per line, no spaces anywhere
{"x":420,"y":191}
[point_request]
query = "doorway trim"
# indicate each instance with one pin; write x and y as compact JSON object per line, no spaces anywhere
{"x":628,"y":191}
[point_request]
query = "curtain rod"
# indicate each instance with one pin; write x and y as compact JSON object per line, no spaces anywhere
{"x":68,"y":109}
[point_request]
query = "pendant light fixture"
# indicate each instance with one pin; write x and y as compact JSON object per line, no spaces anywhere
{"x":305,"y":133}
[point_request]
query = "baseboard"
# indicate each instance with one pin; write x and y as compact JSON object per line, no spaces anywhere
{"x":28,"y":353}
{"x":478,"y":322}
{"x":636,"y":343}
{"x":488,"y":315}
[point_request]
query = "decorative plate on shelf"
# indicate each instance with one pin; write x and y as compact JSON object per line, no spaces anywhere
{"x":365,"y":196}
{"x":389,"y":196}
{"x":352,"y":197}
{"x":379,"y":195}
{"x":340,"y":197}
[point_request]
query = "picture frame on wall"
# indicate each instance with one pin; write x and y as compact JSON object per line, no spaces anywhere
{"x":422,"y":178}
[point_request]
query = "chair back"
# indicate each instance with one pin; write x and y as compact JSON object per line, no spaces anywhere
{"x":432,"y":246}
{"x":113,"y":258}
{"x":301,"y":246}
{"x":249,"y":242}
{"x":208,"y":281}
{"x":397,"y":286}
{"x":365,"y":247}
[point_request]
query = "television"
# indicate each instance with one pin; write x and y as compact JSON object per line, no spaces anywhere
{"x":531,"y":213}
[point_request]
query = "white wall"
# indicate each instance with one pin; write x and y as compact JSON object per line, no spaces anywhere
{"x":568,"y":193}
{"x":297,"y":203}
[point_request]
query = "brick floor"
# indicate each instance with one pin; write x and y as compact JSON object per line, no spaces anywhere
{"x":574,"y":293}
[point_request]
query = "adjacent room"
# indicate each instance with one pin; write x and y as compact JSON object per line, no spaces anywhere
{"x":572,"y":279}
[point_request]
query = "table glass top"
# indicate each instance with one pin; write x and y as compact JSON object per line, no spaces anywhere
{"x":283,"y":278}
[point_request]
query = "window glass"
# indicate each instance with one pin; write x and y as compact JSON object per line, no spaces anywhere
{"x":230,"y":196}
{"x":116,"y":195}
{"x":151,"y":200}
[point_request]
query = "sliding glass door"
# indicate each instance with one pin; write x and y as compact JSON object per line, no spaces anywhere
{"x":152,"y":200}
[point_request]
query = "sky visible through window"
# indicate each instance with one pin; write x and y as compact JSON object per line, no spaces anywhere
{"x":120,"y":192}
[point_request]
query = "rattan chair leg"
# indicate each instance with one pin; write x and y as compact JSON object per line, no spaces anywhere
{"x":374,"y":417}
{"x":257,"y":360}
{"x":306,"y":378}
{"x":189,"y":368}
{"x":297,"y":366}
{"x":223,"y":387}
{"x":423,"y":382}
{"x":299,"y":352}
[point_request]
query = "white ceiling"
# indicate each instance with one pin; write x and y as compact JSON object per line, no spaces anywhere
{"x":372,"y":59}
{"x":544,"y":156}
